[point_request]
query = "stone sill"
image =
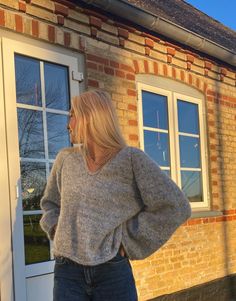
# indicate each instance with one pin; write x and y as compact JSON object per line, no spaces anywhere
{"x":196,"y":214}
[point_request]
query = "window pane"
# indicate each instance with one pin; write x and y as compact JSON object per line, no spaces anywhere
{"x":37,"y":247}
{"x":167,"y":172}
{"x":30,"y":131}
{"x":189,"y":151}
{"x":58,"y":136}
{"x":33,"y":180}
{"x":28,"y":87}
{"x":154,"y":110}
{"x":188,"y":117}
{"x":56,"y":85}
{"x":156,"y":145}
{"x":192,"y":185}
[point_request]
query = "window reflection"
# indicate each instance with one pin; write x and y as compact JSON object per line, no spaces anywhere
{"x":189,"y":151}
{"x":188,"y":117}
{"x":33,"y":180}
{"x":30,"y":132}
{"x":154,"y":110}
{"x":192,"y":185}
{"x":57,"y":133}
{"x":28,"y":85}
{"x":56,"y":86}
{"x":37,"y":247}
{"x":156,"y":145}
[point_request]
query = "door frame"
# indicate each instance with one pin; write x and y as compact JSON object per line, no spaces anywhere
{"x":13,"y":279}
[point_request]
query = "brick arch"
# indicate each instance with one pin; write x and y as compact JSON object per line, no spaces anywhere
{"x":167,"y":70}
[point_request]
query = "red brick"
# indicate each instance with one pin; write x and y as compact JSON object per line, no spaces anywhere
{"x":147,"y":35}
{"x":61,"y":10}
{"x":130,"y":76}
{"x":149,"y":42}
{"x":51,"y":33}
{"x":155,"y":67}
{"x":146,"y":66}
{"x":132,"y":107}
{"x":35,"y":28}
{"x":120,"y":73}
{"x":94,"y":32}
{"x":82,"y":43}
{"x":182,"y":75}
{"x":127,"y":68}
{"x":66,"y":39}
{"x":133,"y":137}
{"x":173,"y":72}
{"x":94,"y":21}
{"x":122,"y":25}
{"x":114,"y":64}
{"x":171,"y":51}
{"x":147,"y":51}
{"x":131,"y":92}
{"x":213,"y":158}
{"x":133,"y":122}
{"x":169,"y":59}
{"x":108,"y":70}
{"x":189,"y":65}
{"x":123,"y":33}
{"x":22,"y":7}
{"x":223,"y":71}
{"x":190,"y":58}
{"x":92,"y":65}
{"x":212,"y":135}
{"x":60,"y":20}
{"x":98,"y":59}
{"x":136,"y":67}
{"x":211,"y":122}
{"x":121,"y":42}
{"x":208,"y":65}
{"x":19,"y":23}
{"x":93,"y":83}
{"x":190,"y":79}
{"x":2,"y":17}
{"x":206,"y":72}
{"x":165,"y":70}
{"x":198,"y":82}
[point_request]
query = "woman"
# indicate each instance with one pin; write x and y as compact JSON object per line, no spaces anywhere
{"x":105,"y":203}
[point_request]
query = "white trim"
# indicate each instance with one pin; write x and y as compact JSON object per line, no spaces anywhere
{"x":6,"y":272}
{"x":202,"y":131}
{"x":10,"y":47}
{"x":174,"y":136}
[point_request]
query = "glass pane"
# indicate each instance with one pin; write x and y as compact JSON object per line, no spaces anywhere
{"x":167,"y":172}
{"x":154,"y":110}
{"x":156,"y":145}
{"x":56,"y":86}
{"x":33,"y":180}
{"x":37,"y":248}
{"x":189,"y":151}
{"x":30,"y":131}
{"x":188,"y":117}
{"x":28,"y":86}
{"x":192,"y":185}
{"x":58,"y":136}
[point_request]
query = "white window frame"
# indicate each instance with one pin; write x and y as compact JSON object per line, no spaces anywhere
{"x":172,"y":97}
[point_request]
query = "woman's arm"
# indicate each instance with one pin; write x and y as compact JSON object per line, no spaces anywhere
{"x":165,"y":208}
{"x":50,"y":202}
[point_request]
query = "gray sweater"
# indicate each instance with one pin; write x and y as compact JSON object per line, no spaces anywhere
{"x":130,"y":200}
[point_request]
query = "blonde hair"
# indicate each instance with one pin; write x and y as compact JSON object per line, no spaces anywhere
{"x":96,"y":118}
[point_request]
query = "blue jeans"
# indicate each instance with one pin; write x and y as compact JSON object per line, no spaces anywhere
{"x":112,"y":280}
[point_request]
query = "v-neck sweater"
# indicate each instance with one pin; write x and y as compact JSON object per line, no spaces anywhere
{"x":129,"y":200}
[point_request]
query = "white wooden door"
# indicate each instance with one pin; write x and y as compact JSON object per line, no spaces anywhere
{"x":37,"y":88}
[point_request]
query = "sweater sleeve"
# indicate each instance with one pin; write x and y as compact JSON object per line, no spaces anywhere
{"x":165,"y":208}
{"x":50,"y":201}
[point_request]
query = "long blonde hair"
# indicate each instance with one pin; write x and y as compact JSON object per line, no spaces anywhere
{"x":96,"y":118}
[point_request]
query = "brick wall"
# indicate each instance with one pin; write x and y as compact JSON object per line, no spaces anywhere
{"x":203,"y":249}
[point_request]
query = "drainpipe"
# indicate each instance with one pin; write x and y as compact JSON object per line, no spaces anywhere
{"x":165,"y":27}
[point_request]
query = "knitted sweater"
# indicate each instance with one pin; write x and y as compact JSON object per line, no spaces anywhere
{"x":130,"y":200}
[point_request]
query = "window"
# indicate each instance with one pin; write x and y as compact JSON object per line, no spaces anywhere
{"x":172,"y":133}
